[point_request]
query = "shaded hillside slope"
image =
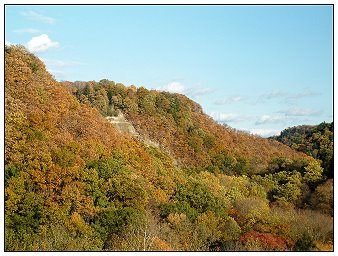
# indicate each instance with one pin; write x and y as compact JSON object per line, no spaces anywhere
{"x":74,"y":183}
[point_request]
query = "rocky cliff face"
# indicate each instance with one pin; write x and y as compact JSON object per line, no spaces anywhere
{"x":122,"y":124}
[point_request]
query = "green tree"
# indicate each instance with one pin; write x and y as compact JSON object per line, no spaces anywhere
{"x":313,"y":172}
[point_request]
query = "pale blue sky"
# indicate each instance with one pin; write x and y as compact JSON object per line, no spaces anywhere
{"x":256,"y":68}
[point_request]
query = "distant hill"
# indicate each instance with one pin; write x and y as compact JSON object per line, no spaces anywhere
{"x":315,"y":141}
{"x":157,"y":175}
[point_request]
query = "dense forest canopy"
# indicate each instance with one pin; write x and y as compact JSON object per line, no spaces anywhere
{"x":74,"y":183}
{"x":315,"y":141}
{"x":179,"y":125}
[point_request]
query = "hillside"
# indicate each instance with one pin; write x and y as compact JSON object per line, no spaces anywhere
{"x":179,"y":125}
{"x":315,"y":141}
{"x":74,"y":182}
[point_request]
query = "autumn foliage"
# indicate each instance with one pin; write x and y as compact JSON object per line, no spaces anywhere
{"x":266,"y":241}
{"x":74,"y":183}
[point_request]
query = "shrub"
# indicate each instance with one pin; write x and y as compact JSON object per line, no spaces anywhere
{"x":252,"y":208}
{"x":106,"y":167}
{"x":264,"y":241}
{"x":305,"y":243}
{"x":322,"y":198}
{"x":193,"y":198}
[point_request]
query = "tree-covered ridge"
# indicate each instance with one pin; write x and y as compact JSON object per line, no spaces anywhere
{"x":179,"y":125}
{"x":315,"y":141}
{"x":73,"y":183}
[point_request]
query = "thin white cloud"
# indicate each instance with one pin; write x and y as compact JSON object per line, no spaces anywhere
{"x":286,"y":96}
{"x":227,"y":117}
{"x":267,"y":119}
{"x":38,"y":17}
{"x":275,"y":94}
{"x":192,"y":91}
{"x":199,"y":91}
{"x":27,"y":30}
{"x":173,"y":87}
{"x":264,"y":132}
{"x":303,"y":94}
{"x":229,"y":100}
{"x":300,"y":112}
{"x":41,"y":44}
{"x":263,"y":98}
{"x":8,"y":42}
{"x":58,"y":74}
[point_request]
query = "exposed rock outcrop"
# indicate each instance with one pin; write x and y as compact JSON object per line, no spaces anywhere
{"x":124,"y":126}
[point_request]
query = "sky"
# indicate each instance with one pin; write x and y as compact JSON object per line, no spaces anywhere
{"x":255,"y":68}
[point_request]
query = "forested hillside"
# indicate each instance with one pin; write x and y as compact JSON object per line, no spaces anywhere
{"x":74,"y":183}
{"x":315,"y":141}
{"x":179,"y":125}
